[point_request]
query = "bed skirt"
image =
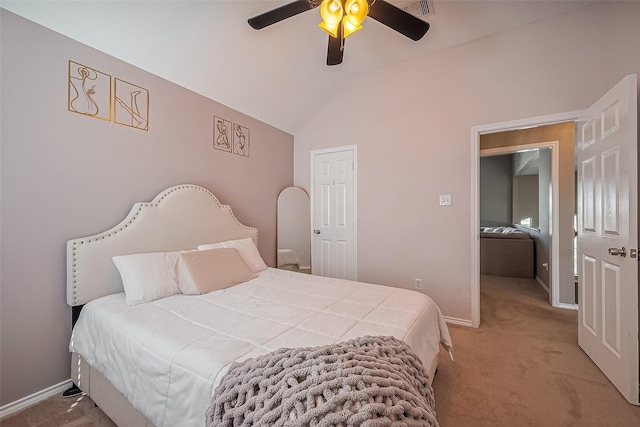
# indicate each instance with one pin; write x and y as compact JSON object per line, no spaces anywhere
{"x":507,"y":257}
{"x":104,"y":394}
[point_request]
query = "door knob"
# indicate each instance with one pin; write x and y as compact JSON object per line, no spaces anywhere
{"x":316,"y":231}
{"x":615,"y":251}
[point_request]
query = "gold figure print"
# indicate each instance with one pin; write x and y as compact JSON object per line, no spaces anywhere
{"x":131,"y":105}
{"x":240,"y":140}
{"x":89,"y":91}
{"x":222,"y":134}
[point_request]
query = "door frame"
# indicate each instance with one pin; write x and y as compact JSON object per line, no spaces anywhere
{"x":354,"y":149}
{"x":476,"y":131}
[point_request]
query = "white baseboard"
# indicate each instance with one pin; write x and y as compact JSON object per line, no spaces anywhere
{"x":37,"y":397}
{"x":455,"y":321}
{"x":560,"y":304}
{"x":541,"y":283}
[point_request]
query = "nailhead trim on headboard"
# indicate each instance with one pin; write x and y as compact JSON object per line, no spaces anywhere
{"x":142,"y":206}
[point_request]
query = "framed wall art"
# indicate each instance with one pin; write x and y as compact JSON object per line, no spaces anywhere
{"x":240,"y":140}
{"x":89,"y":91}
{"x":222,"y":134}
{"x":230,"y":137}
{"x":131,"y":107}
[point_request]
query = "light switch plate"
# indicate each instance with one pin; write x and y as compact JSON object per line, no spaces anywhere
{"x":445,"y":200}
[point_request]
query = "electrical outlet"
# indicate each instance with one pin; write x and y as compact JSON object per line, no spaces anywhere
{"x":445,"y":200}
{"x":418,"y":283}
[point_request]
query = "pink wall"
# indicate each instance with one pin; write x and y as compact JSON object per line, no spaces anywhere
{"x":412,"y":122}
{"x":65,"y":175}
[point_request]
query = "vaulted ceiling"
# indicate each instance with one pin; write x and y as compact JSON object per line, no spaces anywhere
{"x":278,"y":74}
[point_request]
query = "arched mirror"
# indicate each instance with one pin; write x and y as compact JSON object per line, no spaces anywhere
{"x":294,"y":230}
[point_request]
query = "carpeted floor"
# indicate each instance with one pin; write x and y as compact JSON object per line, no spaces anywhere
{"x":522,"y":367}
{"x":79,"y":411}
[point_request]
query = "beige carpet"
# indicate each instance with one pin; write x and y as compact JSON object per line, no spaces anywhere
{"x":522,"y":367}
{"x":59,"y":411}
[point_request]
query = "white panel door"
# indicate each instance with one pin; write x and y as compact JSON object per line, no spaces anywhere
{"x":334,"y":214}
{"x":608,"y":235}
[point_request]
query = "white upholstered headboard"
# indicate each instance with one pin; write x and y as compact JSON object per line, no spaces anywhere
{"x":180,"y":217}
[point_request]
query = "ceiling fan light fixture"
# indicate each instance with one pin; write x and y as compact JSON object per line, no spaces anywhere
{"x":355,"y":13}
{"x":330,"y":29}
{"x":341,"y":18}
{"x":348,"y":28}
{"x":331,"y":12}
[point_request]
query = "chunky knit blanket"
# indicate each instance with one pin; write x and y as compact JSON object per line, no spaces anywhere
{"x":369,"y":381}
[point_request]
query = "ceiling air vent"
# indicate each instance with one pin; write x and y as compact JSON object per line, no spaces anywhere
{"x":420,"y":8}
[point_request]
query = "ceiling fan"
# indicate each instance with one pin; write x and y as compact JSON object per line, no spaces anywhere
{"x":341,"y":18}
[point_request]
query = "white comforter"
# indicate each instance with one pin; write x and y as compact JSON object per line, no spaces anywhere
{"x":168,"y":356}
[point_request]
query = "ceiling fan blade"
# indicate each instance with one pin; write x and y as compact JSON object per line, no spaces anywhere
{"x":335,"y":51}
{"x":399,"y":20}
{"x":281,"y":13}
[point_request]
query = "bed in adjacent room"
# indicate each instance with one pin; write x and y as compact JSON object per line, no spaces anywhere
{"x":176,"y":301}
{"x":506,"y":251}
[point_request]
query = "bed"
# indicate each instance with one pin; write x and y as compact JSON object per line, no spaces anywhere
{"x":506,"y":251}
{"x":159,"y":361}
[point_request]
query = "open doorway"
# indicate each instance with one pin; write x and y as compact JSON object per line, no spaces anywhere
{"x":607,"y":137}
{"x":517,"y":187}
{"x":558,"y":133}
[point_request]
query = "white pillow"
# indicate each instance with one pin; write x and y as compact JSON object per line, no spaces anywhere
{"x":208,"y":246}
{"x":248,"y":252}
{"x":147,"y":276}
{"x":201,"y":272}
